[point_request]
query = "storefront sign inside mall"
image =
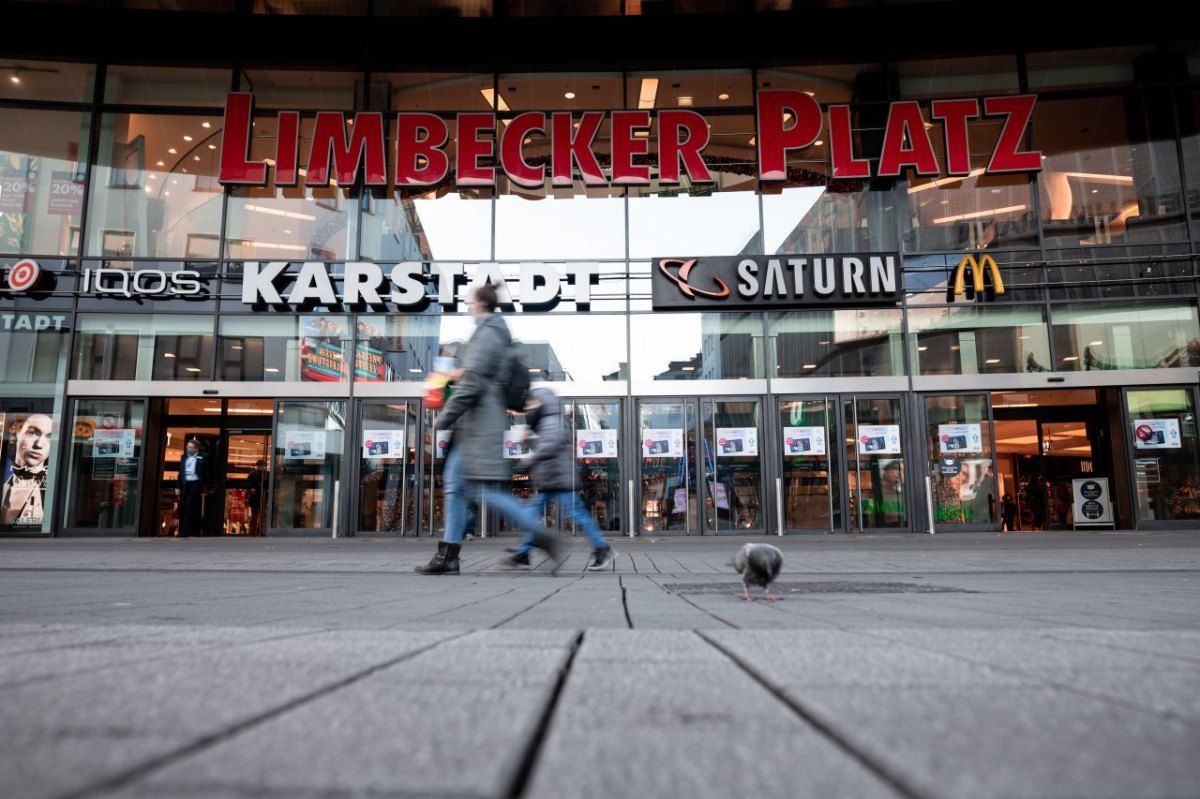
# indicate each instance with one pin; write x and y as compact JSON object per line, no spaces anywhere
{"x":760,"y":282}
{"x":786,"y":121}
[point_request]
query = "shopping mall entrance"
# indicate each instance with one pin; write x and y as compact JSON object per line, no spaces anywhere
{"x":234,"y":435}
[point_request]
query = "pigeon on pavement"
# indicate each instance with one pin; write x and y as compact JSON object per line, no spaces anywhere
{"x":758,"y":564}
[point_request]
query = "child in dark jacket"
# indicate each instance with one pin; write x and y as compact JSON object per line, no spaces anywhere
{"x":552,"y":468}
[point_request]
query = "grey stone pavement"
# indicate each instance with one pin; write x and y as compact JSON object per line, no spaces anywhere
{"x":956,"y":665}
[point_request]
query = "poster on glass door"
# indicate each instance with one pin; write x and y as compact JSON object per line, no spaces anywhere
{"x":954,"y":438}
{"x":300,"y":445}
{"x":595,"y":443}
{"x":733,"y":442}
{"x":879,"y":439}
{"x":112,"y":443}
{"x":516,"y":442}
{"x":662,"y":443}
{"x":1156,"y":434}
{"x":804,"y":441}
{"x":383,"y":444}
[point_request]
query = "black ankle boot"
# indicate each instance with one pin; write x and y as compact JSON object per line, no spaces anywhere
{"x":445,"y":561}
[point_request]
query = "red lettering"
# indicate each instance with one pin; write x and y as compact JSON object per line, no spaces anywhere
{"x":421,"y":135}
{"x":905,"y":121}
{"x":287,"y":148}
{"x":672,"y":149}
{"x":841,"y":146}
{"x":511,"y":141}
{"x":471,"y":148}
{"x":954,"y":115}
{"x":568,"y":147}
{"x":1007,"y":157}
{"x":366,"y":136}
{"x":774,"y":138}
{"x":235,"y":143}
{"x":625,"y":146}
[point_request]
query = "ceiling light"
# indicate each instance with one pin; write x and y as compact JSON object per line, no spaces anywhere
{"x":168,"y":355}
{"x":1071,"y":358}
{"x":212,"y":146}
{"x":166,"y":194}
{"x":236,"y":347}
{"x":818,"y":142}
{"x":569,"y":95}
{"x":688,"y":369}
{"x":684,"y":101}
{"x":152,"y":176}
{"x":191,"y":368}
{"x":206,"y":124}
{"x":415,"y":370}
{"x":810,"y":366}
{"x":1011,"y":209}
{"x":992,"y":360}
{"x":723,"y":96}
{"x":648,"y":92}
{"x":271,"y":369}
{"x":187,"y":138}
{"x":921,"y":349}
{"x":16,"y":76}
{"x":195,"y":158}
{"x":172,"y":150}
{"x":750,"y":141}
{"x":149,"y":189}
{"x":1095,"y":343}
{"x":160,"y":163}
{"x":824,"y":343}
{"x":287,"y":232}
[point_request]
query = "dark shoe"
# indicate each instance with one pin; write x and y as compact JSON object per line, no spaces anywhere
{"x":445,"y":561}
{"x":602,"y":559}
{"x":518,"y":561}
{"x":547,"y":544}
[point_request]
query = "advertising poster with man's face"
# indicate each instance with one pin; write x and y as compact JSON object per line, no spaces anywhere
{"x":27,"y":447}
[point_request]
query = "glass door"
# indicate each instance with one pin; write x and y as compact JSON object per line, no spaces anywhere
{"x":958,"y":434}
{"x":733,"y":475}
{"x":876,"y":490}
{"x":666,"y":432}
{"x":810,"y":469}
{"x":247,"y":481}
{"x":595,"y":430}
{"x":387,"y":468}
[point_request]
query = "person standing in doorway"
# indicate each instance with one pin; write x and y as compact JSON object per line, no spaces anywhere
{"x":191,"y":487}
{"x":1008,"y":512}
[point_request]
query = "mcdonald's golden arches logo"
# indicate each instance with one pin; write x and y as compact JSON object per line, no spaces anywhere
{"x":978,"y":271}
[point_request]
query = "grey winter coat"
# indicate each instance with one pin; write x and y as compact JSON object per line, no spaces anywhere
{"x":476,"y":406}
{"x":552,"y":456}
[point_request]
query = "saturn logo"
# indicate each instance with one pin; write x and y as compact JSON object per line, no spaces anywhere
{"x":24,"y":275}
{"x":680,"y":278}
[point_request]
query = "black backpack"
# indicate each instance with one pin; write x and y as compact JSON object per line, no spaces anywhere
{"x":517,"y":382}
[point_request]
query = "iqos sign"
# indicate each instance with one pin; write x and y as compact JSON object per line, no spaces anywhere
{"x":131,"y":283}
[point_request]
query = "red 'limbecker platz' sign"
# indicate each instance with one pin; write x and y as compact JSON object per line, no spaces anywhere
{"x":785,"y":120}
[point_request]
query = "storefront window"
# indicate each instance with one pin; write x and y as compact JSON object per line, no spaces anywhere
{"x":288,"y":89}
{"x":143,"y":347}
{"x":308,"y":463}
{"x":34,"y":361}
{"x":827,"y":83}
{"x":599,"y":470}
{"x":979,"y":339}
{"x":24,"y":79}
{"x":42,"y":172}
{"x":1162,"y":433}
{"x":849,"y":343}
{"x":959,"y":443}
{"x":154,"y":190}
{"x":139,"y":84}
{"x":441,"y":224}
{"x":387,"y":472}
{"x":708,"y":346}
{"x":396,"y":348}
{"x":1078,"y":69}
{"x":1125,"y":336}
{"x":1103,"y":182}
{"x":29,"y":431}
{"x":973,"y":76}
{"x":104,"y":480}
{"x":433,"y":91}
{"x":547,"y":223}
{"x":285,"y":348}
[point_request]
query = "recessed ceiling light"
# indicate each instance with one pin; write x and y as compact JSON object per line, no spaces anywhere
{"x":570,"y":95}
{"x":993,"y":360}
{"x":1095,"y":343}
{"x":172,"y":150}
{"x":160,"y":163}
{"x":723,"y":96}
{"x":684,"y":101}
{"x":206,"y":124}
{"x":818,"y":143}
{"x":195,"y":158}
{"x":212,"y":146}
{"x":187,"y":138}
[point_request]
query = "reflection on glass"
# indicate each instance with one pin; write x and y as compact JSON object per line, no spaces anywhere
{"x":810,"y":218}
{"x":387,"y":468}
{"x":732,"y":466}
{"x":875,"y":457}
{"x":308,"y":461}
{"x":395,"y":348}
{"x":286,"y":348}
{"x":548,"y":223}
{"x":851,"y":343}
{"x":1165,"y":475}
{"x":104,"y":476}
{"x":708,"y":346}
{"x":979,"y":339}
{"x":29,"y":357}
{"x":42,"y":159}
{"x":680,"y":224}
{"x":247,"y":481}
{"x":599,"y":472}
{"x":811,"y":471}
{"x":960,"y":459}
{"x":667,"y":437}
{"x":441,"y":224}
{"x":143,"y":347}
{"x":1125,"y":336}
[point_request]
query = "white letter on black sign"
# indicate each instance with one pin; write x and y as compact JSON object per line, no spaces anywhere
{"x":409,"y":287}
{"x":531,"y":292}
{"x":775,"y":283}
{"x":313,"y":283}
{"x":797,"y":265}
{"x":259,"y":286}
{"x":883,"y":275}
{"x":747,"y":271}
{"x":362,"y":283}
{"x":852,"y":271}
{"x":823,"y":279}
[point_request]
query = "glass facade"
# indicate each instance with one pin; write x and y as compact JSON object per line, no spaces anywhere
{"x":109,"y":180}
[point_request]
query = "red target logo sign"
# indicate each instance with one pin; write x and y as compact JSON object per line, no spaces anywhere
{"x":24,"y":275}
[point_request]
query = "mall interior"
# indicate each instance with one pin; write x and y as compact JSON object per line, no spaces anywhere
{"x":1061,"y":395}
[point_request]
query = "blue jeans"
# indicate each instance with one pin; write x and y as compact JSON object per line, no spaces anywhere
{"x":458,"y":492}
{"x":572,"y":509}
